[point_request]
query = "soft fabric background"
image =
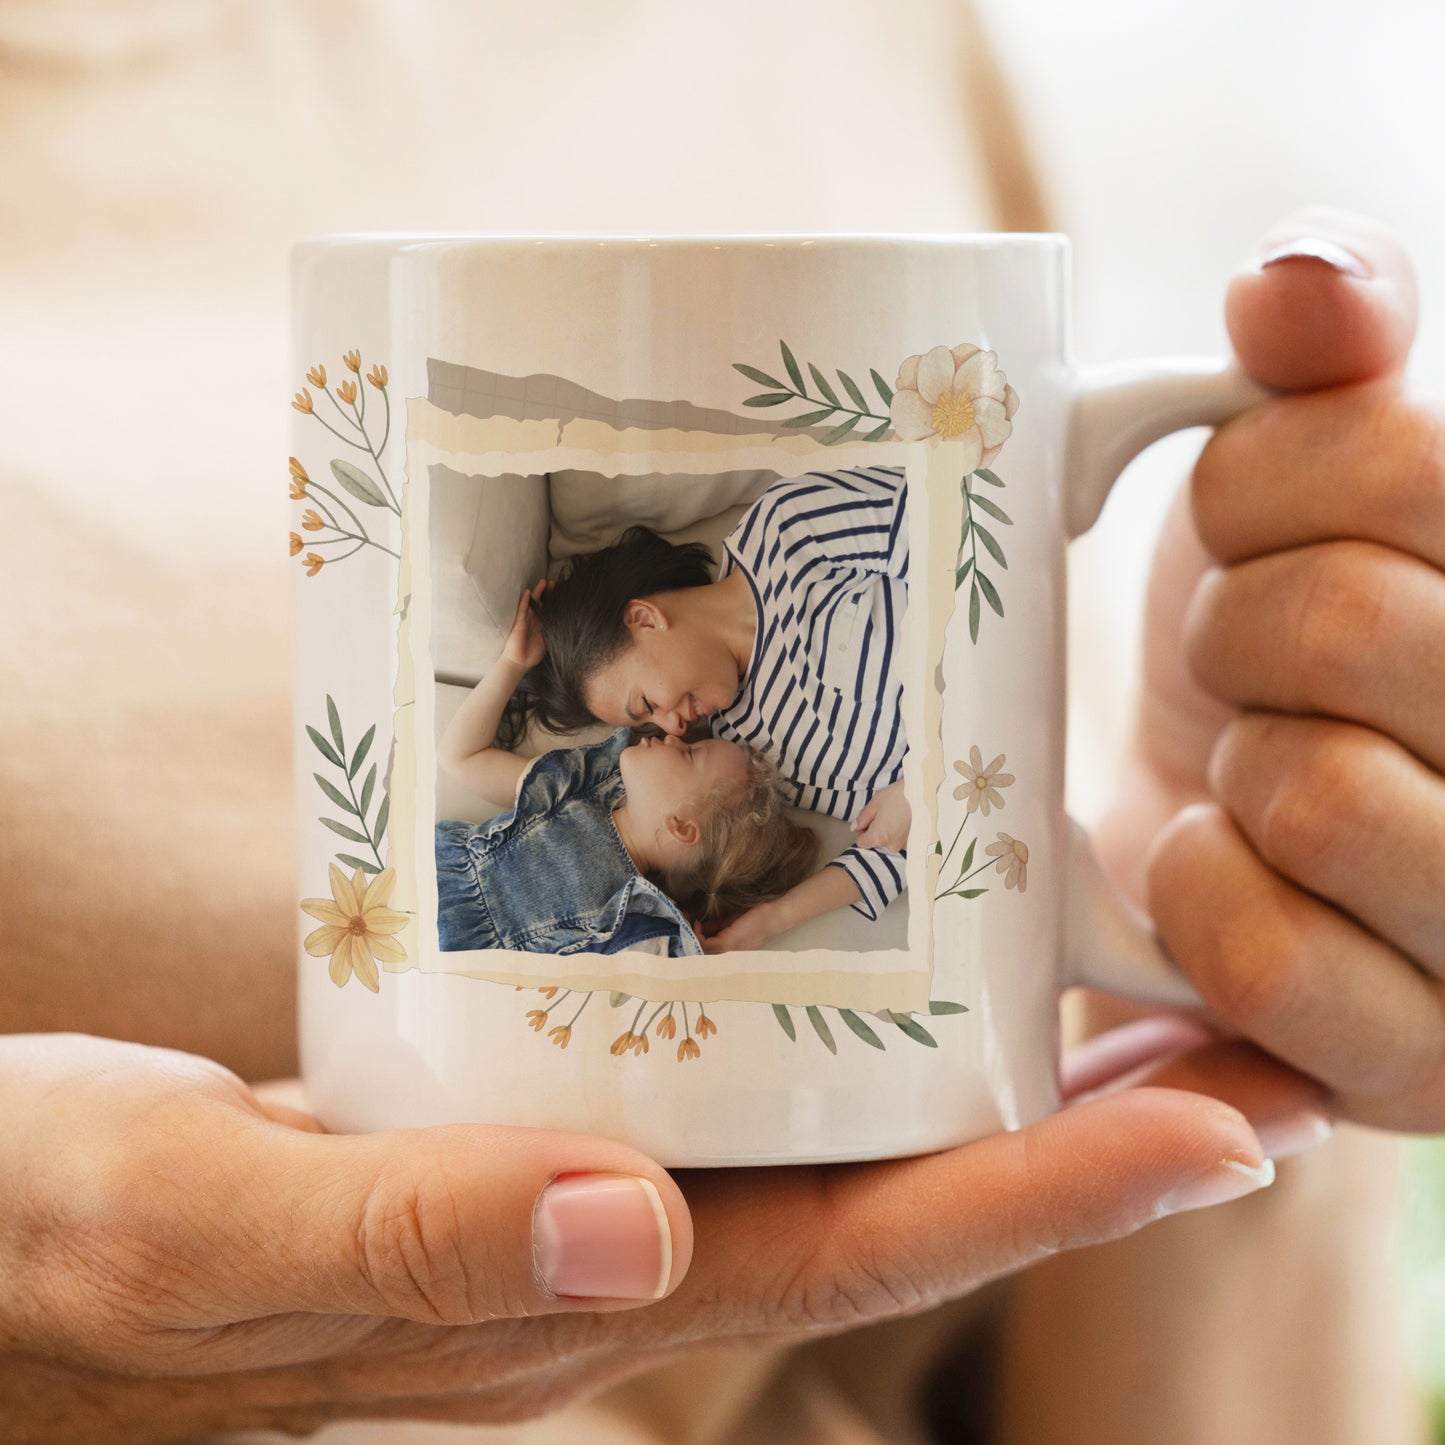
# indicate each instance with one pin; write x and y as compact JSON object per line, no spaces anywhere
{"x":159,"y":155}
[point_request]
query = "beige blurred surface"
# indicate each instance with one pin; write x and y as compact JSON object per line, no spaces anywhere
{"x":158,"y":159}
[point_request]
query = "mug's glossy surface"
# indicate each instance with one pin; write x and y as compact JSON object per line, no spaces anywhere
{"x":471,"y":412}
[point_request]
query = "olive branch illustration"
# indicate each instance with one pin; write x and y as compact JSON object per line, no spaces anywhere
{"x":826,"y":403}
{"x":975,"y":532}
{"x":351,"y":803}
{"x":331,"y":513}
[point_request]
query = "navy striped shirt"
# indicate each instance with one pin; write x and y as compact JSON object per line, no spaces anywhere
{"x":827,"y":557}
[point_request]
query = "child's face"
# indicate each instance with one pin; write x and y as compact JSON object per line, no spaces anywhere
{"x":667,"y":779}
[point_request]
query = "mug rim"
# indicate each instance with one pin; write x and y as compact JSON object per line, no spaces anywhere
{"x":651,"y":239}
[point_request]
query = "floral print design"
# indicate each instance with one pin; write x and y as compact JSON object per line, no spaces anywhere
{"x":981,"y":783}
{"x":357,"y":926}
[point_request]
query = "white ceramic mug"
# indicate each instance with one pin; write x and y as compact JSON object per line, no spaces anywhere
{"x":470,"y":412}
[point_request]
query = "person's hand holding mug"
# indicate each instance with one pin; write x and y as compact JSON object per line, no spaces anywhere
{"x":1292,"y":730}
{"x":182,"y":1254}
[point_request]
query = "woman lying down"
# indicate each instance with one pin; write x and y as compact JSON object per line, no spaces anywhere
{"x":636,"y":842}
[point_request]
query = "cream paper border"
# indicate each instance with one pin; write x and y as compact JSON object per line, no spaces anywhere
{"x":867,"y":981}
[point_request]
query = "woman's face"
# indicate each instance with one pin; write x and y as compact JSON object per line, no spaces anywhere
{"x":666,"y":778}
{"x":670,"y":673}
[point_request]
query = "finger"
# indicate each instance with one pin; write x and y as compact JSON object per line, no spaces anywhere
{"x":1363,"y":461}
{"x":1108,"y":1057}
{"x":1328,"y":298}
{"x":1288,"y":1110}
{"x":833,"y":1248}
{"x":1347,"y":814}
{"x":284,"y":1100}
{"x":1350,"y":629}
{"x":449,"y":1225}
{"x":1297,"y":976}
{"x":524,"y":603}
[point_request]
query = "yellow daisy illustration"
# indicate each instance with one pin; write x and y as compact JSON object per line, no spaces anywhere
{"x":357,"y":926}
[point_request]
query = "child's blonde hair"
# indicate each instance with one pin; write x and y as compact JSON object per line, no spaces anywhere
{"x":749,"y":849}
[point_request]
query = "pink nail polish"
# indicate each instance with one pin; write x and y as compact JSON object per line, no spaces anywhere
{"x":1229,"y":1179}
{"x":602,"y":1236}
{"x":1316,"y":248}
{"x":1294,"y":1134}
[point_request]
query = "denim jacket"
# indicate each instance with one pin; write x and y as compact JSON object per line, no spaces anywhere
{"x":552,"y":875}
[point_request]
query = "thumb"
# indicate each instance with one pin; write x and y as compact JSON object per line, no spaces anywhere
{"x":453,"y":1224}
{"x":1328,"y":298}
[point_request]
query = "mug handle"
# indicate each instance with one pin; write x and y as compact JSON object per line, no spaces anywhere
{"x":1117,"y":411}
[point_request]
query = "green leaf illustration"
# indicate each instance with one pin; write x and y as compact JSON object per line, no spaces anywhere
{"x":821,"y":382}
{"x":761,"y":377}
{"x":991,"y":592}
{"x":334,"y":718}
{"x":366,"y":788}
{"x":785,"y":1019}
{"x":884,"y":390}
{"x":323,"y":747}
{"x":793,"y":372}
{"x":350,"y":834}
{"x":878,"y":431}
{"x":969,"y":893}
{"x":968,"y":856}
{"x":769,"y":398}
{"x":839,"y":432}
{"x":992,"y":508}
{"x":988,"y":540}
{"x":988,"y":476}
{"x":973,"y":609}
{"x":383,"y":813}
{"x":617,"y":999}
{"x":860,"y":1028}
{"x":810,"y":418}
{"x":358,"y":484}
{"x":942,"y":1006}
{"x":336,"y":795}
{"x":851,"y":387}
{"x":358,"y":863}
{"x":820,"y":1027}
{"x":913,"y":1029}
{"x":961,"y":576}
{"x":362,"y":748}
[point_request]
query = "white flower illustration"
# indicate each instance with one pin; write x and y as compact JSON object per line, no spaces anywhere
{"x":1013,"y":861}
{"x":958,"y":393}
{"x":980,"y":782}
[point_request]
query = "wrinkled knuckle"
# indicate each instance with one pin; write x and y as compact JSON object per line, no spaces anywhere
{"x":1255,"y":968}
{"x":1309,"y":816}
{"x":1415,"y":428}
{"x":1341,"y":616}
{"x":410,"y":1250}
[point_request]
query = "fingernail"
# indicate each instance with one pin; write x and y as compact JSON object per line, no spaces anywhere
{"x":602,"y":1236}
{"x":1229,"y":1179}
{"x":1294,"y":1133}
{"x":1316,"y":248}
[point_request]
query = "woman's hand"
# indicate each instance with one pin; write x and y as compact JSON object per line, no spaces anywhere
{"x":756,"y":928}
{"x":885,"y":818}
{"x":183,"y":1255}
{"x":525,"y":646}
{"x":1292,"y":746}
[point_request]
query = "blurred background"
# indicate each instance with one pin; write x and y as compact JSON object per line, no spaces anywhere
{"x":159,"y":156}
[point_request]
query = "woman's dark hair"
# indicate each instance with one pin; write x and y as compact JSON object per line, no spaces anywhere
{"x":581,"y":616}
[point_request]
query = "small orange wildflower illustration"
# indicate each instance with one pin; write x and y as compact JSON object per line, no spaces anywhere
{"x":314,"y":563}
{"x":537,"y":1018}
{"x":298,"y":471}
{"x":623,"y":1042}
{"x":311,"y":520}
{"x":688,"y":1049}
{"x":353,"y":360}
{"x":377,"y":376}
{"x":561,"y":1035}
{"x":295,"y":543}
{"x":303,"y":402}
{"x":666,"y":1028}
{"x":704,"y":1026}
{"x":317,"y":375}
{"x":347,"y":391}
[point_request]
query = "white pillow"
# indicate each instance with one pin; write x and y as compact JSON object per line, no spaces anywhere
{"x":590,"y":510}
